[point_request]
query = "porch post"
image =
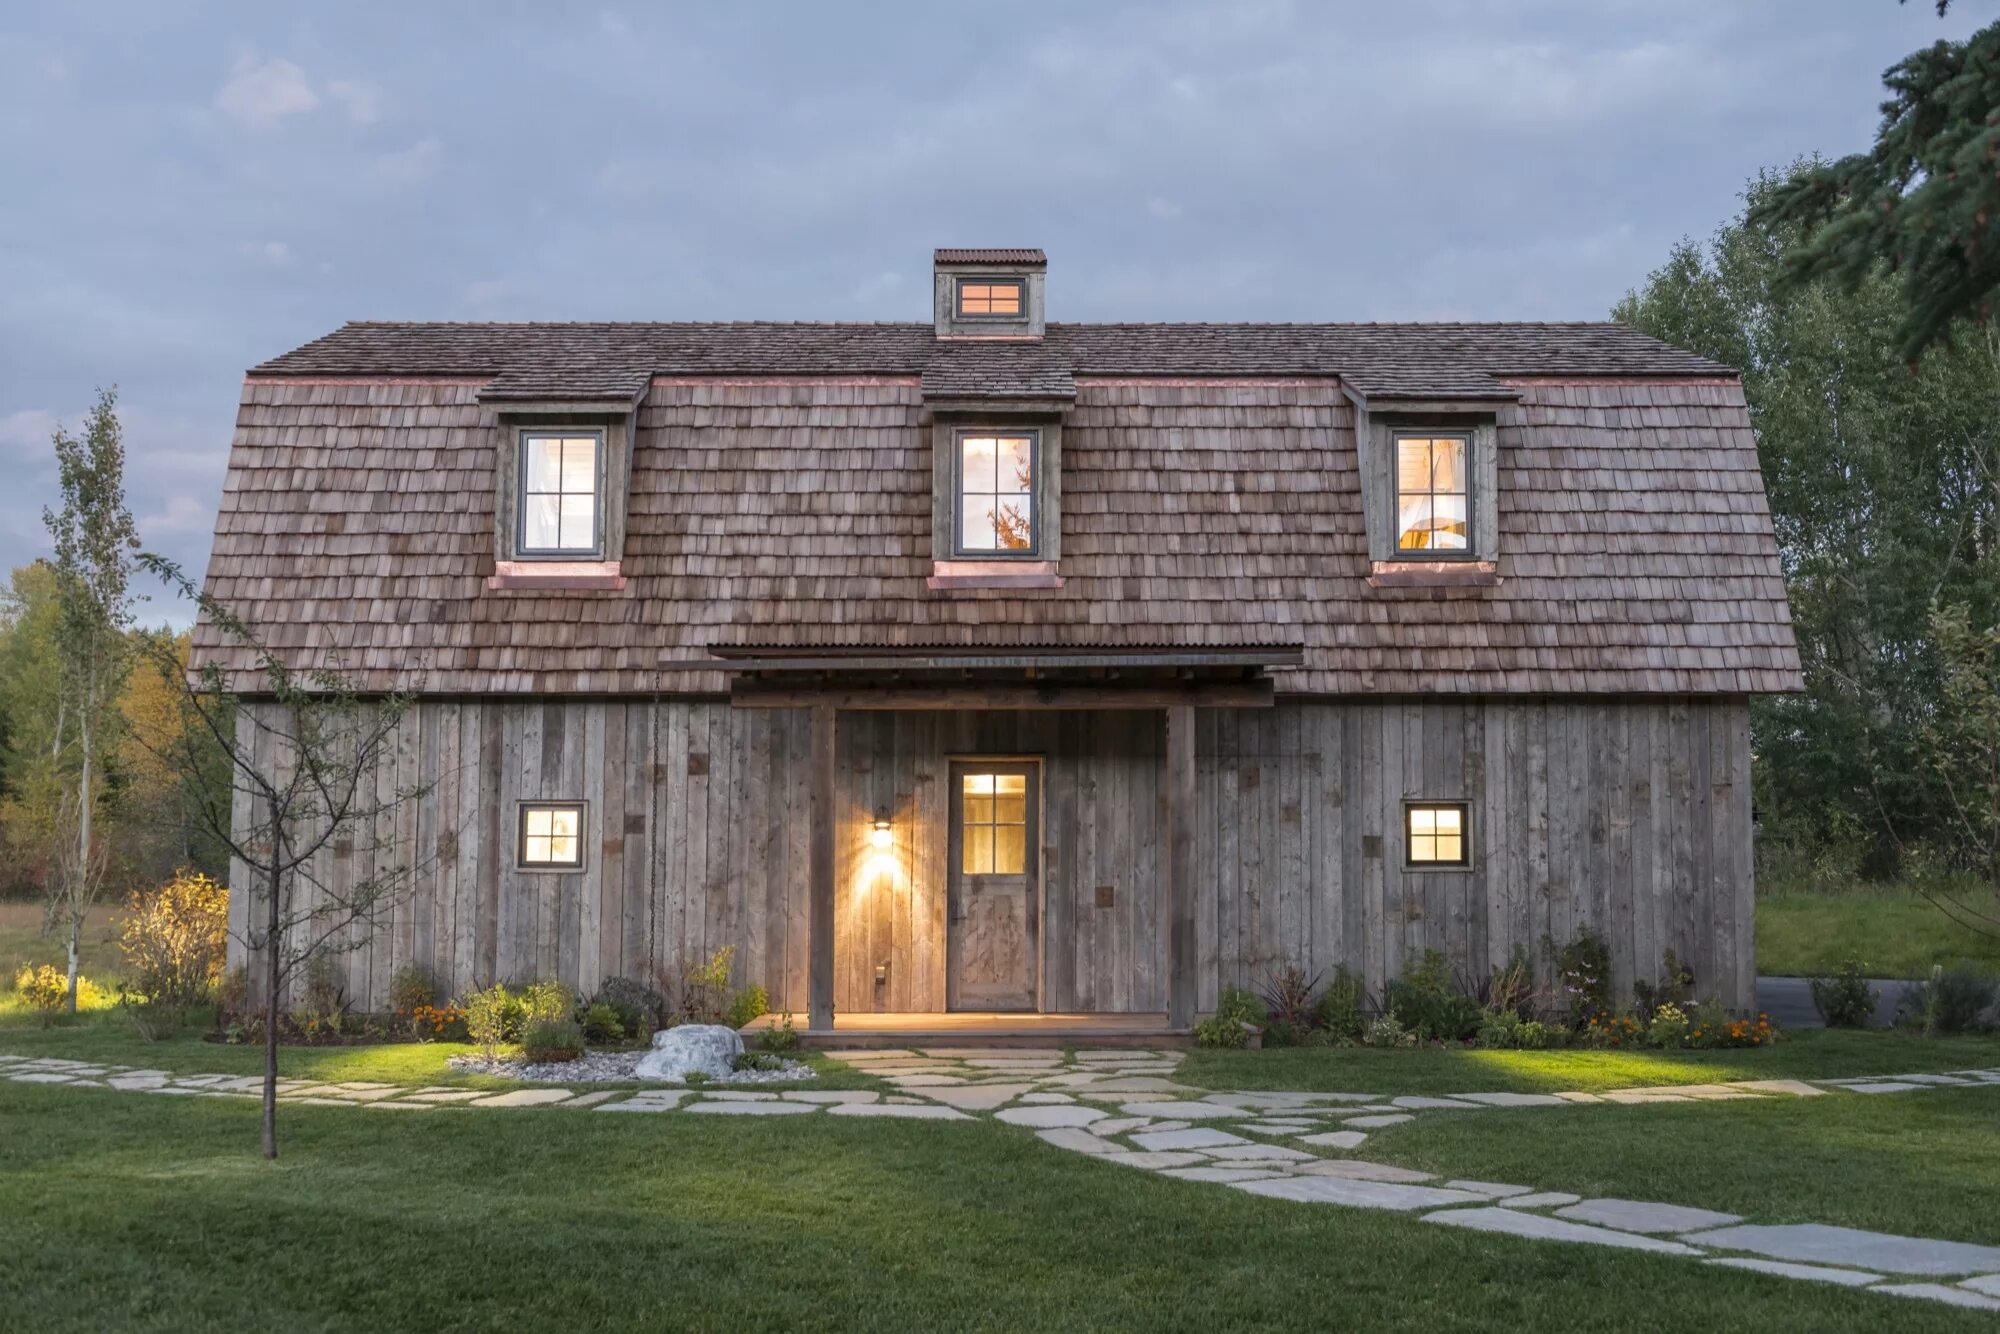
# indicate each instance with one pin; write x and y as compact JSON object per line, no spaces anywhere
{"x":1178,"y":902}
{"x":819,"y":894}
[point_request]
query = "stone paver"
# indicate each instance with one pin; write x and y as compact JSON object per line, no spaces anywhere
{"x":1156,"y":1162}
{"x":753,"y":1108}
{"x":1492,"y":1190}
{"x":1377,"y":1122}
{"x":1047,"y":1099}
{"x":525,"y":1098}
{"x":1818,"y":1243}
{"x":1261,"y":1153}
{"x":830,"y":1095}
{"x":1075,"y":1140}
{"x":1224,"y":1174}
{"x":1196,"y":1137}
{"x":1797,"y":1088}
{"x":1336,"y":1139}
{"x":1425,"y":1103}
{"x":1641,"y":1216}
{"x":1887,"y":1086}
{"x":1515,"y":1223}
{"x":1513,"y":1099}
{"x":1360,"y":1194}
{"x":1118,"y":1125}
{"x":1847,"y":1278}
{"x":1544,"y":1199}
{"x":1047,"y":1118}
{"x":1186,"y":1111}
{"x":1938,"y":1292}
{"x":1986,"y":1283}
{"x":898,"y":1111}
{"x":1355,"y":1170}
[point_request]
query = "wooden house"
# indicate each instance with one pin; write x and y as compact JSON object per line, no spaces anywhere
{"x":1000,"y":667}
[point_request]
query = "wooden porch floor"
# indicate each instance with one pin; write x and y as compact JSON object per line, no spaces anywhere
{"x":986,"y":1028}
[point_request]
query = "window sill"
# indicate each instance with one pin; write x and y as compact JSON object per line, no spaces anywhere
{"x":557,"y":575}
{"x":1434,"y":574}
{"x":948,"y":574}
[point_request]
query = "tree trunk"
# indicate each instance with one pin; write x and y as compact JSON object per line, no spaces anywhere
{"x":79,"y":880}
{"x":273,"y":977}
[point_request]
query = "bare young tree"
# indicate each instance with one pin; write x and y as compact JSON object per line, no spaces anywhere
{"x":94,"y":536}
{"x":311,"y":765}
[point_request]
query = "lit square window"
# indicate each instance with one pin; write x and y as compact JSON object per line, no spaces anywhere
{"x":1435,"y":834}
{"x":551,"y":836}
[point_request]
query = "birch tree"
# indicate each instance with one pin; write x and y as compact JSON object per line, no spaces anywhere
{"x":94,"y":538}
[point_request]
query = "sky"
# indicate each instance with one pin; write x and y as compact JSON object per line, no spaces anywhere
{"x":189,"y":189}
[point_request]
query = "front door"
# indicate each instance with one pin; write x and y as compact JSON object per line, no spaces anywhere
{"x":993,"y":951}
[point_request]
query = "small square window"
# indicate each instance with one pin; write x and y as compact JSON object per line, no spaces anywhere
{"x":996,"y":493}
{"x":992,"y":299}
{"x":551,"y":836}
{"x":560,"y":476}
{"x":1433,"y":496}
{"x":1436,"y":833}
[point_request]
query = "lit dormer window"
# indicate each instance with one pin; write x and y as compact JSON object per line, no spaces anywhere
{"x":1433,"y":510}
{"x":996,"y":493}
{"x":561,"y":485}
{"x":991,"y":299}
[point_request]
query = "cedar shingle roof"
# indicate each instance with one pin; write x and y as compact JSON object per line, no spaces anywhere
{"x":975,"y":255}
{"x":1637,"y":549}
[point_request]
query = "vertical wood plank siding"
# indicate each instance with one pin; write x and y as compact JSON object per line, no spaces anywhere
{"x":1629,"y":817}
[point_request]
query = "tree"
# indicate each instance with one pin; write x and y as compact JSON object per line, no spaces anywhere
{"x":94,"y":537}
{"x":1925,"y":198}
{"x":1962,"y":754}
{"x":310,"y":767}
{"x":31,"y":778}
{"x":1884,"y":487}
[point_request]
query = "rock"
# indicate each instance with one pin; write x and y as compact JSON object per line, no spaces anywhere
{"x":1195,"y":1137}
{"x":1337,"y":1139}
{"x":706,"y":1049}
{"x":1543,"y":1228}
{"x":1049,"y":1118}
{"x":1642,"y":1216}
{"x":1817,"y":1243}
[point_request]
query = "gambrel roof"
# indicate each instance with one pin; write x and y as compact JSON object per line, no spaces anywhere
{"x":781,"y":496}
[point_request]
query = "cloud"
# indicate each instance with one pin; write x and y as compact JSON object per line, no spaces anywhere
{"x":362,"y":102}
{"x":269,"y":254}
{"x":182,"y":516}
{"x":26,"y":433}
{"x":1163,"y":208}
{"x":415,"y":163}
{"x":260,"y":94}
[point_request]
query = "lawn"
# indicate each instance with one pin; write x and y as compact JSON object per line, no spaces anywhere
{"x":136,"y":1212}
{"x":1895,"y":931}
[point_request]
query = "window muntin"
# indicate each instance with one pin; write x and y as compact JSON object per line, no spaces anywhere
{"x":551,"y":837}
{"x":996,"y":493}
{"x":1433,"y":496}
{"x":1435,"y":833}
{"x":993,"y":824}
{"x":561,"y":485}
{"x":992,"y":299}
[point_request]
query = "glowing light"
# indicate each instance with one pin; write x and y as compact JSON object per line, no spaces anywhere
{"x":882,"y":838}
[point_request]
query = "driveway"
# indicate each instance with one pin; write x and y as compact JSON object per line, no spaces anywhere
{"x":1788,"y":1000}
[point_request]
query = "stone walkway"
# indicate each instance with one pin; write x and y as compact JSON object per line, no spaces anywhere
{"x":1124,"y":1107}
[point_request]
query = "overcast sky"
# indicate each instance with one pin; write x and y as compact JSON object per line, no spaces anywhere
{"x":187,"y":189}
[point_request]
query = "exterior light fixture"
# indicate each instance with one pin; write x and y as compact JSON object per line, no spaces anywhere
{"x":882,"y":838}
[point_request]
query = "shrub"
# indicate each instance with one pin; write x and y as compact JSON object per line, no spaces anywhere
{"x":1709,"y":1025}
{"x":46,"y":990}
{"x":439,"y":1023}
{"x":1668,"y":1027}
{"x":175,"y":940}
{"x":1610,"y":1030}
{"x":698,"y":991}
{"x":1675,"y":987}
{"x":155,"y":1020}
{"x":781,"y":1036}
{"x":1385,"y":1031}
{"x":1339,"y":1016}
{"x":749,"y":1003}
{"x":544,"y":1041}
{"x":1507,"y":1030}
{"x":545,"y":1001}
{"x":756,"y":1060}
{"x":640,"y":1008}
{"x":1425,"y":1002}
{"x":487,"y":1014}
{"x":1583,"y":977}
{"x":323,"y":1012}
{"x":600,"y":1024}
{"x":1237,"y":1015}
{"x":1291,"y":1003}
{"x":1948,"y":1001}
{"x":1845,"y":1000}
{"x":232,"y":997}
{"x":413,"y":988}
{"x":1512,"y":985}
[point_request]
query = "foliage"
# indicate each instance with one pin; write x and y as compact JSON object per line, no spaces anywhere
{"x":1426,"y":1001}
{"x":640,"y":1008}
{"x":487,"y":1015}
{"x":1339,"y":1017}
{"x":1583,"y":976}
{"x":1291,"y":1000}
{"x":780,"y":1037}
{"x":546,"y":1040}
{"x":323,"y":1011}
{"x":750,"y":1003}
{"x":757,"y":1060}
{"x":1668,"y":1026}
{"x":1960,"y":753}
{"x":601,"y":1024}
{"x":45,"y":989}
{"x":1507,"y":1030}
{"x":1673,"y":1027}
{"x":698,"y":989}
{"x":176,"y":940}
{"x":1949,"y":1001}
{"x":1511,"y":986}
{"x":232,"y":997}
{"x":542,"y":1002}
{"x":1675,"y":987}
{"x":1237,"y":1016}
{"x":413,"y":988}
{"x":438,"y":1023}
{"x":1924,"y":201}
{"x":1845,"y":1000}
{"x":1386,"y":1031}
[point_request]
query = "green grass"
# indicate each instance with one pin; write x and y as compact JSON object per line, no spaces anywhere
{"x":1897,"y":932}
{"x":1923,"y":1164}
{"x":1806,"y":1054}
{"x":134,"y":1212}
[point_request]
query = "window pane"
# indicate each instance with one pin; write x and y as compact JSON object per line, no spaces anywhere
{"x":1423,"y":820}
{"x":579,"y":465}
{"x":1413,"y":465}
{"x":537,"y":821}
{"x":544,"y":463}
{"x":1016,"y":464}
{"x":977,"y":529}
{"x":535,"y":848}
{"x":562,"y":851}
{"x":563,"y":823}
{"x":1448,"y":465}
{"x":1423,"y":848}
{"x":978,"y":849}
{"x":538,"y":523}
{"x":1010,"y":850}
{"x":1448,"y":849}
{"x":1010,"y":809}
{"x":979,"y":810}
{"x":1009,"y":784}
{"x":978,"y":462}
{"x":1013,"y":523}
{"x":1006,"y":300}
{"x":579,"y":522}
{"x":978,"y":783}
{"x":1446,"y":818}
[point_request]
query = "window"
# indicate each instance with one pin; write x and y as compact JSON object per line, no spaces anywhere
{"x":991,"y":298}
{"x":996,"y":493}
{"x":551,"y":836}
{"x":1432,"y":497}
{"x":1434,"y":834}
{"x":560,"y":480}
{"x":994,"y":824}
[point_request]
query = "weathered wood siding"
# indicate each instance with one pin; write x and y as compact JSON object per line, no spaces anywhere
{"x":1627,"y":817}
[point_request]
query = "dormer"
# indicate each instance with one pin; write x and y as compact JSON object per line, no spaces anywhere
{"x":988,"y":294}
{"x":1430,"y":486}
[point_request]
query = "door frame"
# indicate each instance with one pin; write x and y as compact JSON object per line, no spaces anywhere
{"x":955,"y":765}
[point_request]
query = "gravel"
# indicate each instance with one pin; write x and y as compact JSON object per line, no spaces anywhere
{"x":612,"y":1067}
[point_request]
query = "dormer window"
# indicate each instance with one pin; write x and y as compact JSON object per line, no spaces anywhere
{"x":562,"y":487}
{"x":1433,"y":494}
{"x":997,"y":475}
{"x":992,"y":299}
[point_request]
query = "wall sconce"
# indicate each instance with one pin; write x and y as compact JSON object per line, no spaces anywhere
{"x":882,"y":838}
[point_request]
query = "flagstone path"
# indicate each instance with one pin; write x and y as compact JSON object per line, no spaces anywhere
{"x":1124,"y":1106}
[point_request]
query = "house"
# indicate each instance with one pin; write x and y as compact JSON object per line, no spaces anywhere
{"x":1005,"y":667}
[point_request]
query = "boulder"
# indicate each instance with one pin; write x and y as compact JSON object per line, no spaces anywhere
{"x":707,"y":1049}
